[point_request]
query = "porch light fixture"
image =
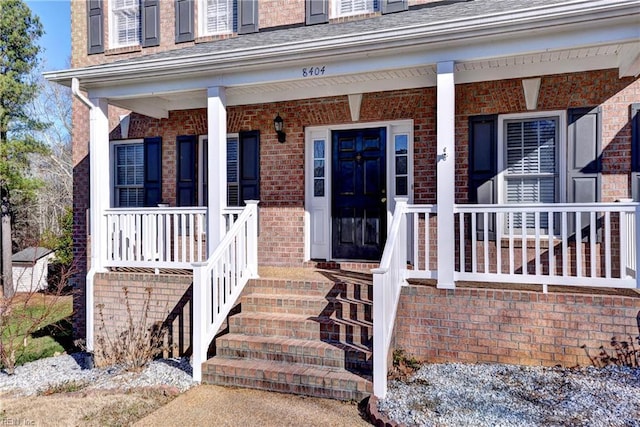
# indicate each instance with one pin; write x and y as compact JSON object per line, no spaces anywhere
{"x":278,"y":125}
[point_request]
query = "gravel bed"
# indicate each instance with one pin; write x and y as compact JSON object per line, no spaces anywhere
{"x":36,"y":377}
{"x":507,"y":395}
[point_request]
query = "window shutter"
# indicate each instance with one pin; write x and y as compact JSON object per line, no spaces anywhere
{"x":187,"y":170}
{"x":317,"y":11}
{"x":152,"y":171}
{"x":184,"y":21}
{"x":249,"y":151}
{"x":150,"y":23}
{"x":392,"y":6}
{"x":635,"y":152}
{"x":247,"y":16}
{"x":483,"y":165}
{"x":95,"y":31}
{"x":583,"y":159}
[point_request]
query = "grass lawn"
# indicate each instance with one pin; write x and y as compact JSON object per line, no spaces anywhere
{"x":42,"y":321}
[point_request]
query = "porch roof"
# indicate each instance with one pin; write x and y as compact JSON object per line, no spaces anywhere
{"x":488,"y":40}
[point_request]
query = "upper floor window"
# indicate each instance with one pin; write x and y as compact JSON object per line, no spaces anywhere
{"x":352,"y":7}
{"x":215,"y":17}
{"x":124,"y":21}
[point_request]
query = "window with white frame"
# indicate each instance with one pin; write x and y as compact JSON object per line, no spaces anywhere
{"x":215,"y":17}
{"x":125,"y":26}
{"x":530,"y":147}
{"x":352,"y":7}
{"x":129,"y":174}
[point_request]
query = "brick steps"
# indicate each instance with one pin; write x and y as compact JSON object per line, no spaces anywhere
{"x":310,"y":337}
{"x":287,"y":378}
{"x":291,"y":350}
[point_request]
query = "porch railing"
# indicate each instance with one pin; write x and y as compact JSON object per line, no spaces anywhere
{"x":387,"y":281}
{"x":577,"y":244}
{"x":218,"y":282}
{"x":155,"y":237}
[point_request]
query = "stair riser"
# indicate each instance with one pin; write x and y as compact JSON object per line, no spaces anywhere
{"x":284,"y":387}
{"x":283,"y":305}
{"x":351,"y":360}
{"x":309,"y":330}
{"x":357,"y":291}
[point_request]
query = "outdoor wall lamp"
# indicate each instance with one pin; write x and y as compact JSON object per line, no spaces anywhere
{"x":278,"y":125}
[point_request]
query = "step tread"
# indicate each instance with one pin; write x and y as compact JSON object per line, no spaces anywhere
{"x":294,"y":342}
{"x":298,"y":297}
{"x":290,"y":368}
{"x":292,"y":317}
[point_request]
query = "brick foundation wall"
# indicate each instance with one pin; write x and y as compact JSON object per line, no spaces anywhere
{"x":169,"y":302}
{"x":471,"y":325}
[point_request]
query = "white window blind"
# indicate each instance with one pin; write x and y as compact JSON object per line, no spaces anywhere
{"x":531,"y":164}
{"x":219,"y":17}
{"x":233,"y":175}
{"x":352,"y":7}
{"x":125,"y":23}
{"x":129,"y":175}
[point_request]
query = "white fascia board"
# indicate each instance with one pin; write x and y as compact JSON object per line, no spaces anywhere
{"x":547,"y":19}
{"x":498,"y":47}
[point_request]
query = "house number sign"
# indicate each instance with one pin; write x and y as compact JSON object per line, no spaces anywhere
{"x":313,"y":71}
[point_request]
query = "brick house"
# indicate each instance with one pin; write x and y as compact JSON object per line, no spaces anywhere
{"x":454,"y":178}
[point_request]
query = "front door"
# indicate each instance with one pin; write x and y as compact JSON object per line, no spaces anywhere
{"x":359,"y":211}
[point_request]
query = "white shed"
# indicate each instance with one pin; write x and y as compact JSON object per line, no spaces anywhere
{"x":30,"y":269}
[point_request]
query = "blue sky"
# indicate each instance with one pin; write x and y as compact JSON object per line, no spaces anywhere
{"x":55,"y":16}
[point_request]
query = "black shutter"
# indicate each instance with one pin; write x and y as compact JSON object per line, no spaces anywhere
{"x":95,"y":31}
{"x":247,"y":16}
{"x":317,"y":11}
{"x":483,"y":166}
{"x":152,"y":171}
{"x":635,"y":152}
{"x":184,"y":21}
{"x":392,"y":6}
{"x":187,"y":170}
{"x":583,"y":160}
{"x":150,"y":23}
{"x":249,"y":158}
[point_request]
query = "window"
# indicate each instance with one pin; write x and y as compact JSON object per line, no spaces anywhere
{"x":129,"y":174}
{"x":125,"y":28}
{"x":318,"y":168}
{"x":216,"y":17}
{"x":530,"y":164}
{"x":352,"y":7}
{"x":401,"y":153}
{"x":233,"y":172}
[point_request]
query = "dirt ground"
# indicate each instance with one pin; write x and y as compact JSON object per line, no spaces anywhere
{"x":95,"y":408}
{"x":202,"y":406}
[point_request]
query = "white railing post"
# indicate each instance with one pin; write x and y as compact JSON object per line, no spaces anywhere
{"x":635,"y":242}
{"x":446,"y":173}
{"x":252,"y":238}
{"x":379,"y":339}
{"x":199,"y":301}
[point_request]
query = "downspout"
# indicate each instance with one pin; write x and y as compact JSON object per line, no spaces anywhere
{"x":75,"y":90}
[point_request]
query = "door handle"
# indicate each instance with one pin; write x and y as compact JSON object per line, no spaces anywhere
{"x":383,"y":200}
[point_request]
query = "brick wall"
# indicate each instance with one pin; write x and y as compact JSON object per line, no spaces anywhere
{"x":525,"y":327}
{"x":168,"y":298}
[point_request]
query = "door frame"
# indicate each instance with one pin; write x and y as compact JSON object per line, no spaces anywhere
{"x":317,"y":215}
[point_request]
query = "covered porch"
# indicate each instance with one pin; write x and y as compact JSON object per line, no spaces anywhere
{"x":442,"y":234}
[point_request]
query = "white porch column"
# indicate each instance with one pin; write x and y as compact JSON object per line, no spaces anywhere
{"x":217,"y":157}
{"x":446,"y":161}
{"x":99,"y":182}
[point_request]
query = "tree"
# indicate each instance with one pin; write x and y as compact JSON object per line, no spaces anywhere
{"x":19,"y":32}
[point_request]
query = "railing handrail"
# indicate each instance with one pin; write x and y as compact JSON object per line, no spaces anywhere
{"x":387,"y":253}
{"x":219,"y":281}
{"x":421,"y":208}
{"x":228,"y":238}
{"x":545,"y":207}
{"x":157,"y":210}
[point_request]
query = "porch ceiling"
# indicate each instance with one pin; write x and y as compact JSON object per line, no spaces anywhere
{"x":624,"y":56}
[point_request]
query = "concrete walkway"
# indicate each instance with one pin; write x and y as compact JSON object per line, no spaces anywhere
{"x":207,"y":405}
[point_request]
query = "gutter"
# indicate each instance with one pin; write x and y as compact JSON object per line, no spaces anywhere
{"x":534,"y":19}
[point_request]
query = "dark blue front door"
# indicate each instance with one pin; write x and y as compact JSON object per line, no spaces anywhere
{"x":358,"y":211}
